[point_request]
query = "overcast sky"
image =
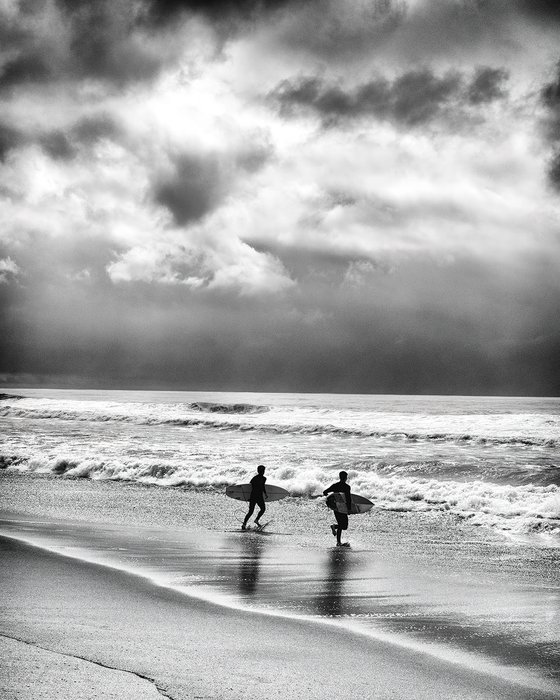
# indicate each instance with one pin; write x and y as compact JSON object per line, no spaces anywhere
{"x":315,"y":195}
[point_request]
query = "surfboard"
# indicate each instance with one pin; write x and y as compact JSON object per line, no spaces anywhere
{"x":242,"y":492}
{"x":360,"y":505}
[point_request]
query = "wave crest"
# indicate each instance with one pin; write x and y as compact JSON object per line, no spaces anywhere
{"x":176,"y":417}
{"x":243,"y":408}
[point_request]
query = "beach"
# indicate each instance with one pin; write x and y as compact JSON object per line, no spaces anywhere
{"x":193,"y":608}
{"x":189,"y":649}
{"x":125,"y":569}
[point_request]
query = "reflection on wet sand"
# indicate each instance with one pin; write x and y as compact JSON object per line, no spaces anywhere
{"x":249,"y":567}
{"x":331,"y":601}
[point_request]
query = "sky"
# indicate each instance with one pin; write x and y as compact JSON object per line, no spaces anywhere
{"x":355,"y":196}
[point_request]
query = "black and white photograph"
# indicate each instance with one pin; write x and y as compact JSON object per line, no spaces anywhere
{"x":280,"y":349}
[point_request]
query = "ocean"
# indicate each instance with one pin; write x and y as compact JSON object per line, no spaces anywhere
{"x":459,"y":558}
{"x":491,"y":460}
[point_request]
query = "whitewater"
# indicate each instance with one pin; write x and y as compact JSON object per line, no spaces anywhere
{"x":492,"y":461}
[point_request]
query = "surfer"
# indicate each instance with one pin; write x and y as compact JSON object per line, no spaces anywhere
{"x":341,"y":518}
{"x":258,"y":494}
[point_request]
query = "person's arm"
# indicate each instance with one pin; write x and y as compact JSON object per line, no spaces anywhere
{"x":331,"y":488}
{"x":264,"y":487}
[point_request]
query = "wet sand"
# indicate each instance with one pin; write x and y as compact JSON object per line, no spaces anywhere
{"x":212,"y":612}
{"x":190,"y":648}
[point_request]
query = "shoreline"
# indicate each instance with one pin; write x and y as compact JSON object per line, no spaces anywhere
{"x":452,"y":656}
{"x":427,"y":671}
{"x":406,"y":584}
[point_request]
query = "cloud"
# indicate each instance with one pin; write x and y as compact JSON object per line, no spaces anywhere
{"x":337,"y":30}
{"x":8,"y":270}
{"x":64,"y":143}
{"x":191,"y":189}
{"x":540,"y":10}
{"x":219,"y":10}
{"x":413,"y":98}
{"x":487,"y":85}
{"x":550,"y":98}
{"x":57,"y":145}
{"x":404,"y":33}
{"x":105,"y":40}
{"x":10,"y":138}
{"x":554,"y":170}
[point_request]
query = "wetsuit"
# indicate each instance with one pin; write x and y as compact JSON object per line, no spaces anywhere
{"x":341,"y":487}
{"x":258,"y":491}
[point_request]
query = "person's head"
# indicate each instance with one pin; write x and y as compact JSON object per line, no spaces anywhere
{"x":343,"y":476}
{"x":260,"y":469}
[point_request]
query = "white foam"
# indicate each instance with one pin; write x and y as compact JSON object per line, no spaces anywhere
{"x":522,"y":508}
{"x":508,"y":428}
{"x":456,"y":455}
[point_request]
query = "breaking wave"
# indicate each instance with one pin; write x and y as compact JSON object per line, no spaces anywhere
{"x":520,"y":508}
{"x":209,"y":407}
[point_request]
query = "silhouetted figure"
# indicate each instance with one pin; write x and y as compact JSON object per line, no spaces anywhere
{"x":258,"y":494}
{"x":341,"y":518}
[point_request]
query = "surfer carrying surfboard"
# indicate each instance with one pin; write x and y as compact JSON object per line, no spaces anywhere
{"x":258,"y":494}
{"x":341,"y":518}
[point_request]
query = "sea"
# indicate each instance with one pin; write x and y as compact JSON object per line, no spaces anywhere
{"x":459,"y":556}
{"x":494,"y":461}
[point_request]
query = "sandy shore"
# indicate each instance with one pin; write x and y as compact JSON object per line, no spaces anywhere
{"x":34,"y":673}
{"x":189,"y":648}
{"x":411,"y":611}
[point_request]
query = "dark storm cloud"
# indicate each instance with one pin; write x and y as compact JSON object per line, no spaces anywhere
{"x":102,"y":39}
{"x":197,"y":184}
{"x":413,"y":98}
{"x":192,"y":189}
{"x":541,"y":10}
{"x":487,"y":85}
{"x":57,"y":143}
{"x":554,"y":170}
{"x":333,"y":30}
{"x":10,"y":139}
{"x":164,"y":10}
{"x":343,"y":33}
{"x":550,"y":96}
{"x":94,"y":127}
{"x":30,"y":68}
{"x":405,"y":334}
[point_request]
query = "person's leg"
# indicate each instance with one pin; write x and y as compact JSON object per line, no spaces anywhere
{"x":252,"y":505}
{"x":262,"y":507}
{"x":342,"y":520}
{"x":339,"y":519}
